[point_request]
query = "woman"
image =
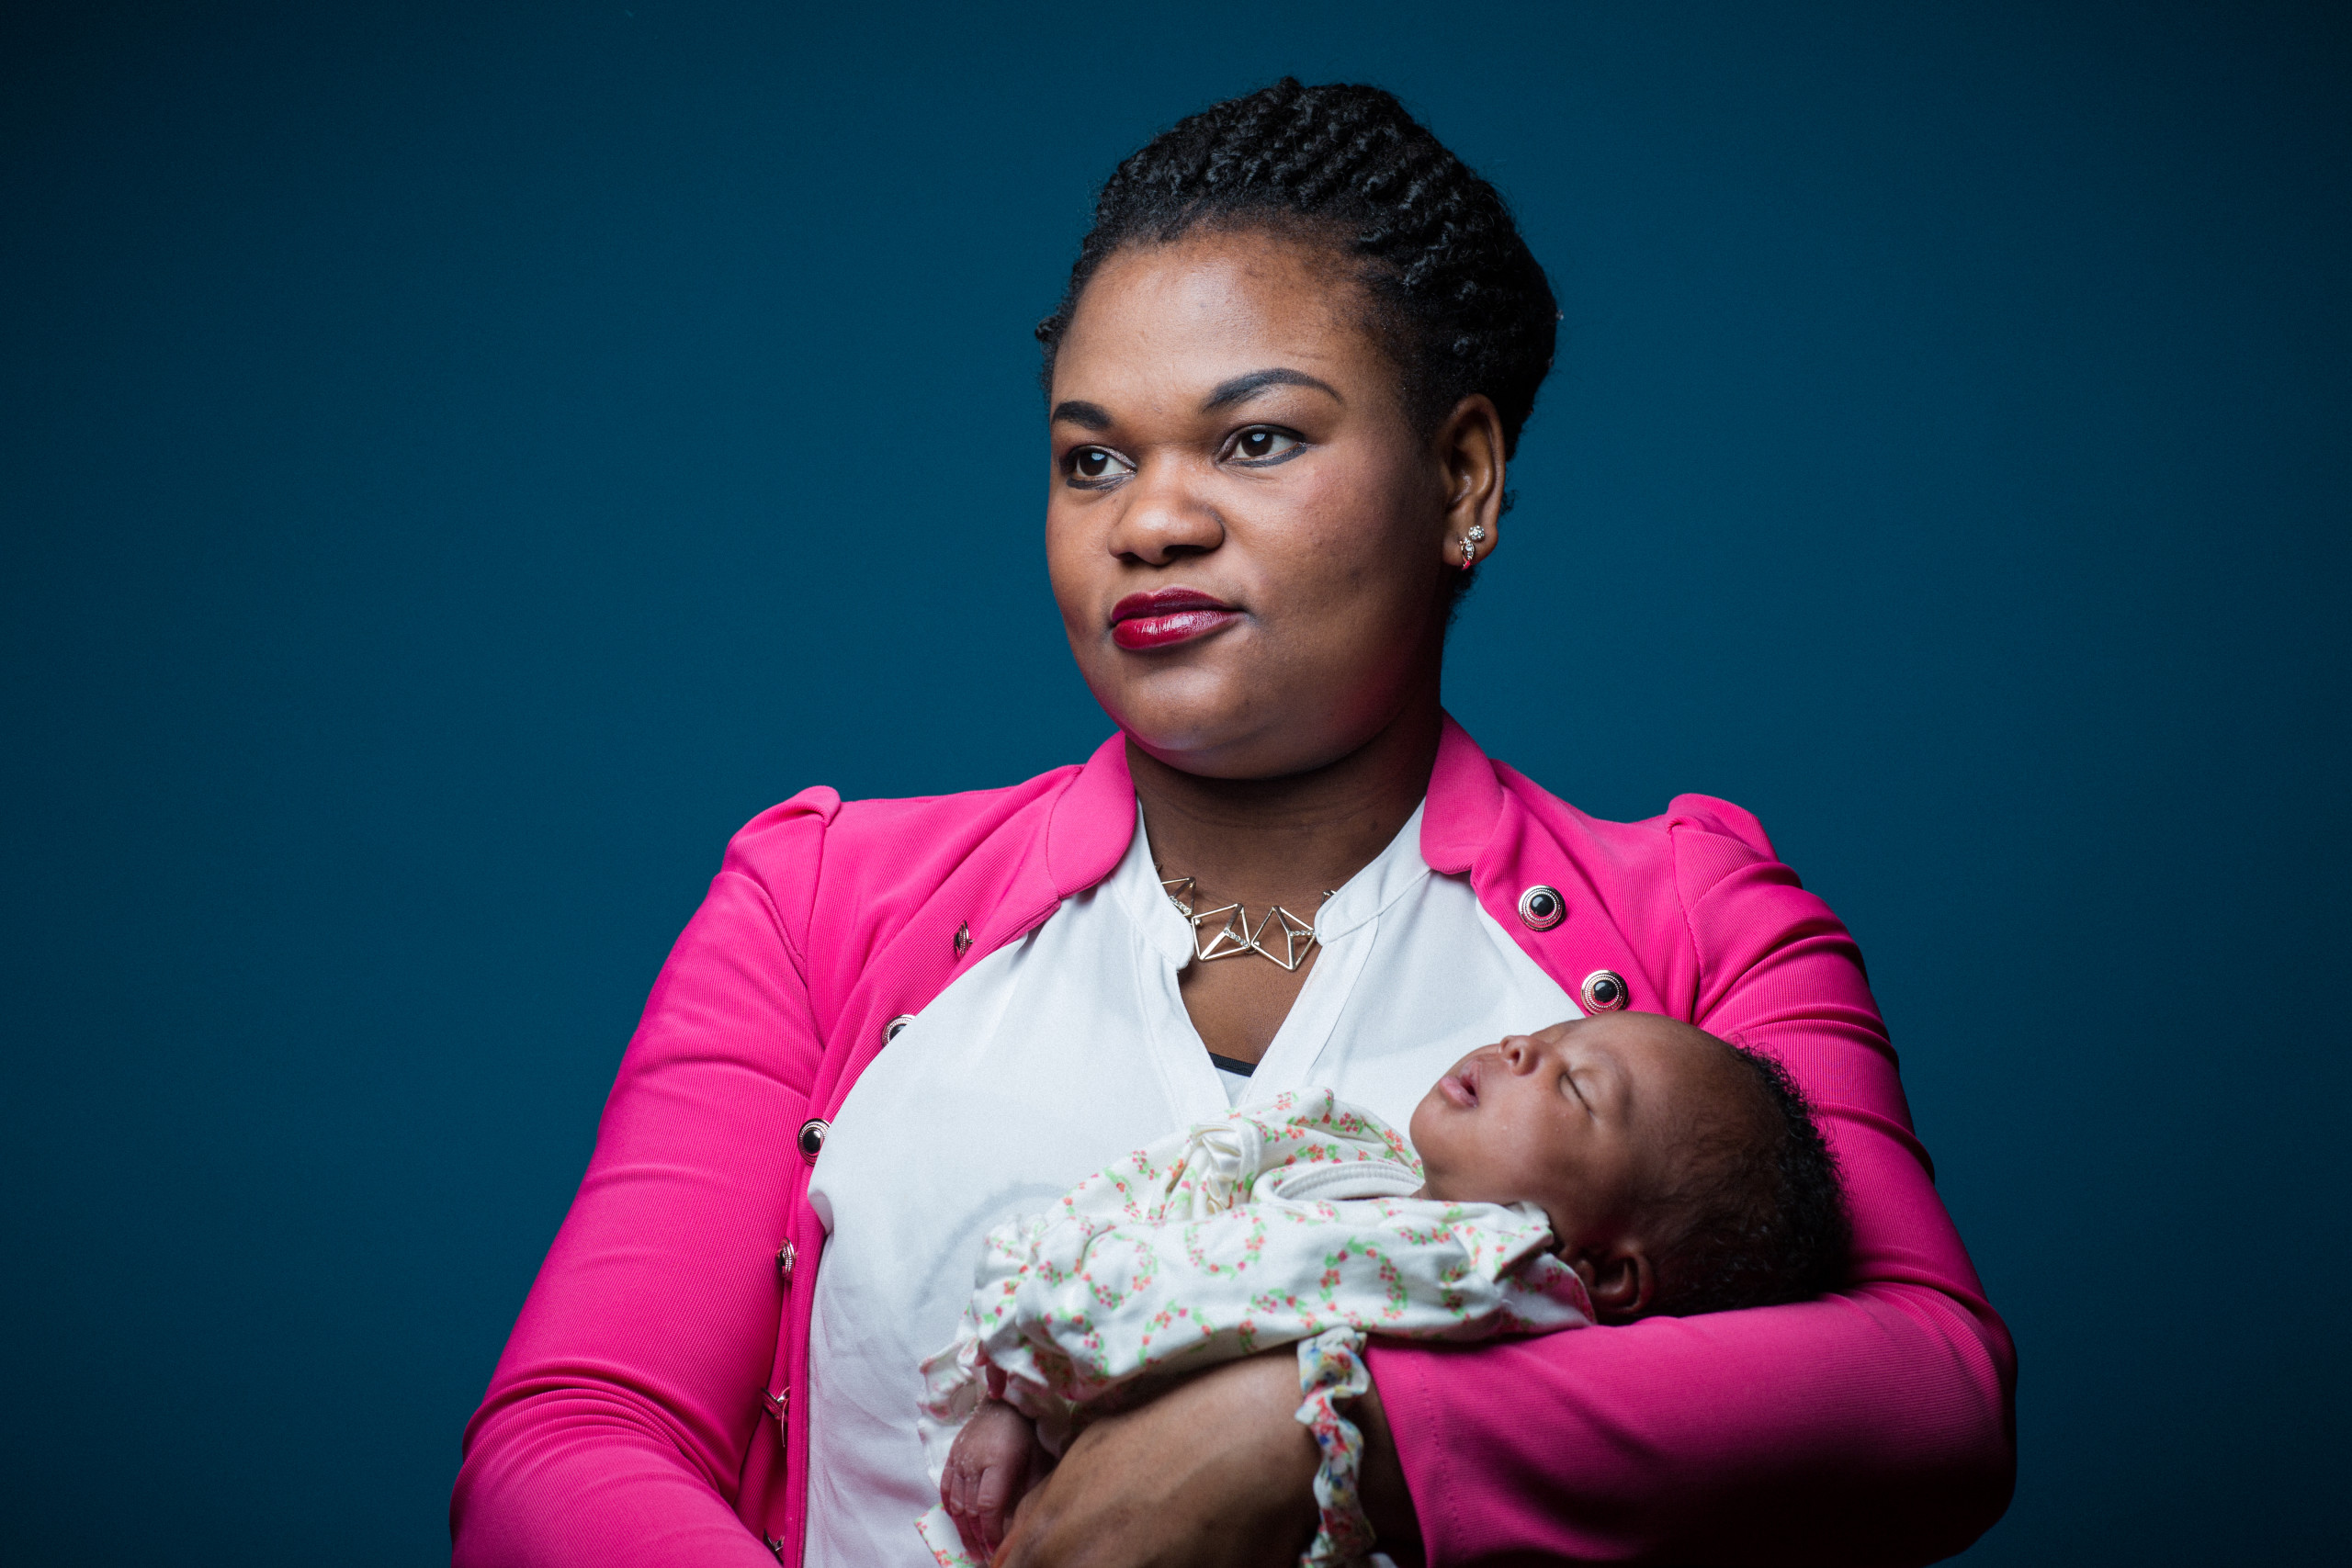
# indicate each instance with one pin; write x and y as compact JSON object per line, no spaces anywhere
{"x":1284,"y":388}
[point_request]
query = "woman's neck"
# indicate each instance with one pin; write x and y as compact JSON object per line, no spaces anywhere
{"x":1285,"y":840}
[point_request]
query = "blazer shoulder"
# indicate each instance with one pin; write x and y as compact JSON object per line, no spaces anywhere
{"x":1645,"y":837}
{"x":1713,"y":841}
{"x":819,"y":819}
{"x":1721,"y":820}
{"x":1690,"y":847}
{"x":891,"y":837}
{"x":866,"y":856}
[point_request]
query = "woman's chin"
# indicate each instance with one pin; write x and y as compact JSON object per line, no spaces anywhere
{"x":1204,"y":727}
{"x":1231,"y":750}
{"x":1228,"y":708}
{"x":1225,"y":730}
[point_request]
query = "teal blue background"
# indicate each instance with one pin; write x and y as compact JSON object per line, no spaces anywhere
{"x":458,"y":463}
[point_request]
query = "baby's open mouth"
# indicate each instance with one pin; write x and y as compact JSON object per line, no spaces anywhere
{"x":1460,"y":1086}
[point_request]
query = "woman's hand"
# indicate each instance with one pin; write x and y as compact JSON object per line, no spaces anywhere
{"x":1214,"y":1474}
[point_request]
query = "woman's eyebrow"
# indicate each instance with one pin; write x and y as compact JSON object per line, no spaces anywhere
{"x":1244,"y":386}
{"x":1087,"y":416}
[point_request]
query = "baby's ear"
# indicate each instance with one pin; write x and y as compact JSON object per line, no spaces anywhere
{"x":1619,"y":1278}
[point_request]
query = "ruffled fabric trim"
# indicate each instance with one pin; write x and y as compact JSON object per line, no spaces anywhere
{"x":1332,"y":1368}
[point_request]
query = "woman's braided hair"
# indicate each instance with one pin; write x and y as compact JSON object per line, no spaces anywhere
{"x":1461,"y":303}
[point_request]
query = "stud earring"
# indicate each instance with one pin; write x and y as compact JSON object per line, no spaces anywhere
{"x":1470,"y":545}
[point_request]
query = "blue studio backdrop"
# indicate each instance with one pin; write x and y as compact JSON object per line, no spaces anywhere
{"x":459,"y":462}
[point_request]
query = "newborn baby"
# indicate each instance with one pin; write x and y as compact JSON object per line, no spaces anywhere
{"x":1598,"y":1171}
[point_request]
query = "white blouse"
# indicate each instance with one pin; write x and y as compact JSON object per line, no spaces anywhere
{"x":1051,"y":1058}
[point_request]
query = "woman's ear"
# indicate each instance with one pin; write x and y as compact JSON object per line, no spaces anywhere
{"x":1619,"y":1278}
{"x":1469,"y":447}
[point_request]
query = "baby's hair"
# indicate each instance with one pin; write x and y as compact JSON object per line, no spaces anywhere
{"x":1763,"y":1214}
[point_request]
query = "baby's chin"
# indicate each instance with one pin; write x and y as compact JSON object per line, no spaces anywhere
{"x":1454,"y":1187}
{"x":1433,"y":1105}
{"x":1451,"y":1187}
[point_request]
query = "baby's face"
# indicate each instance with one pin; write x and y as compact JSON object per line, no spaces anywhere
{"x":1582,"y":1119}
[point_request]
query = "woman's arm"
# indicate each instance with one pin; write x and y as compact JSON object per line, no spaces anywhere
{"x":1873,"y":1427}
{"x":1214,"y":1474}
{"x":616,"y":1425}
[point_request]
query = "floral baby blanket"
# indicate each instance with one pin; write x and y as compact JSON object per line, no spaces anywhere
{"x":1289,"y":1221}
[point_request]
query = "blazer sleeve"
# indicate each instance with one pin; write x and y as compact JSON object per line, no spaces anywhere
{"x":1872,"y":1427}
{"x":616,"y":1426}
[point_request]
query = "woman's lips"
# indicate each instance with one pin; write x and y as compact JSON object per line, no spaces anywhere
{"x":1166,"y":618}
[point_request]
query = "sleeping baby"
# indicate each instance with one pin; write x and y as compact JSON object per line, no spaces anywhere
{"x":1601,"y":1170}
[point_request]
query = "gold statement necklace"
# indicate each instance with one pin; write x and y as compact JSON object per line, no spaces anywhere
{"x":1225,"y":932}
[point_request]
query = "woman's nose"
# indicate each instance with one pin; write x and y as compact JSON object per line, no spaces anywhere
{"x":1165,"y":518}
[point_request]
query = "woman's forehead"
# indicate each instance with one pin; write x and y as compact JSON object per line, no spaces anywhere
{"x":1181,"y":318}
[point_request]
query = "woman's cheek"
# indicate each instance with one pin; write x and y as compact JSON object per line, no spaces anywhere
{"x":1372,"y":547}
{"x":1329,"y":555}
{"x":1067,"y":558}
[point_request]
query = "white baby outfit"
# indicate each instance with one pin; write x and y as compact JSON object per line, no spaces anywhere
{"x":1287,"y":1220}
{"x":1058,"y":1054}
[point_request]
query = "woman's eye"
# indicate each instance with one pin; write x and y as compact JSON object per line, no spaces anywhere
{"x":1259,"y":443}
{"x":1093,"y":463}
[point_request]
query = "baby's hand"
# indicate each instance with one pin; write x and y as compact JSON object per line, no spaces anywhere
{"x":993,"y":1463}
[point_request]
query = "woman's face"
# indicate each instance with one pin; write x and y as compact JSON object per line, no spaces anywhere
{"x":1247,"y":538}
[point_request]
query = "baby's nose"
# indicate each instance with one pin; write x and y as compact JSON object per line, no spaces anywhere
{"x":1518,"y":1050}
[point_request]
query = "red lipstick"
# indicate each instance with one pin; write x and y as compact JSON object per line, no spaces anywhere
{"x":1168,"y":616}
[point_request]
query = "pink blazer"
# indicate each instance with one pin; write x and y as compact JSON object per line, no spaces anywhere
{"x":644,"y":1410}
